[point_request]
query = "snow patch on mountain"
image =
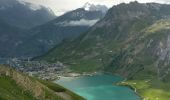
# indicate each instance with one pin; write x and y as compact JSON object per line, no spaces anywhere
{"x":91,"y":7}
{"x":87,"y":6}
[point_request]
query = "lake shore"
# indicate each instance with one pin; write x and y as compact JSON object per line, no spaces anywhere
{"x":93,"y":85}
{"x":148,"y":89}
{"x":124,"y":83}
{"x":74,"y":75}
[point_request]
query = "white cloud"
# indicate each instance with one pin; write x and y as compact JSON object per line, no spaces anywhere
{"x":62,"y":6}
{"x":82,"y":22}
{"x":31,"y":5}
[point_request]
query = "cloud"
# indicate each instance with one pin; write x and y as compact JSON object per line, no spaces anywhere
{"x":31,"y":5}
{"x":82,"y":22}
{"x":61,"y":6}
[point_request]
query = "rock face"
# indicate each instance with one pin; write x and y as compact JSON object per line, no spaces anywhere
{"x":163,"y":61}
{"x":131,"y":40}
{"x":65,"y":27}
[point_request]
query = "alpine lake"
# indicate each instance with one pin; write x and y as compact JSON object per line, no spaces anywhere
{"x":98,"y":87}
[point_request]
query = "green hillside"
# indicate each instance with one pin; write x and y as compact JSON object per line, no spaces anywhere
{"x":17,"y":86}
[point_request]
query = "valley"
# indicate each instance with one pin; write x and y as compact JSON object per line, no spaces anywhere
{"x":94,"y":51}
{"x":132,"y":40}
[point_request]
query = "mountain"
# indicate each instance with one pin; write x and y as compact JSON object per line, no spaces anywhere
{"x":24,"y":15}
{"x":63,"y":28}
{"x":16,"y":17}
{"x":17,"y":86}
{"x":132,"y":40}
{"x":9,"y":36}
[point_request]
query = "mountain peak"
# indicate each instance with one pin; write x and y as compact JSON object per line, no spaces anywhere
{"x":91,"y":7}
{"x":87,"y":6}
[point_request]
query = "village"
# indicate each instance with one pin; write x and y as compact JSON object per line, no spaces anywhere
{"x":40,"y":69}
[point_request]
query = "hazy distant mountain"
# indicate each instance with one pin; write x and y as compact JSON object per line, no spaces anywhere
{"x":9,"y":36}
{"x":65,"y":27}
{"x":15,"y":18}
{"x":24,"y":15}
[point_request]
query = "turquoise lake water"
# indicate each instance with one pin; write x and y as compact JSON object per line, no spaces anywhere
{"x":98,"y":87}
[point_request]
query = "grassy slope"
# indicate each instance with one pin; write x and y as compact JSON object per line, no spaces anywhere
{"x":11,"y":91}
{"x":30,"y":88}
{"x":150,"y":89}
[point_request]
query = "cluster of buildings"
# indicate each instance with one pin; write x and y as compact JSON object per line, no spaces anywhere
{"x":40,"y":69}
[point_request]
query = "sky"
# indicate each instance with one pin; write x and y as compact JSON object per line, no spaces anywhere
{"x":61,"y":6}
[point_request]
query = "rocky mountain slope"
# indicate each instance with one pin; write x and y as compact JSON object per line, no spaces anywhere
{"x":17,"y":86}
{"x":65,"y":27}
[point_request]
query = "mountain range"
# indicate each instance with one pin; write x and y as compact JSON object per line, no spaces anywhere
{"x":37,"y":29}
{"x":63,"y":28}
{"x":124,"y":30}
{"x":132,"y":40}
